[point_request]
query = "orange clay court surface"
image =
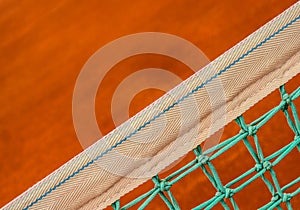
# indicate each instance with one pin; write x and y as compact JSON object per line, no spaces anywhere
{"x":44,"y":45}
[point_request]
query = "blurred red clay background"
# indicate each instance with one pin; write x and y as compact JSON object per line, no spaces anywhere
{"x":44,"y":46}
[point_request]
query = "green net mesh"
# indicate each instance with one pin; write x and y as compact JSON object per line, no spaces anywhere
{"x":264,"y":165}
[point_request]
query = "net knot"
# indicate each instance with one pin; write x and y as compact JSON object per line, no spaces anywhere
{"x":162,"y":185}
{"x":286,"y":99}
{"x":251,"y":130}
{"x":264,"y":165}
{"x":202,"y":159}
{"x":286,"y":197}
{"x":276,"y":197}
{"x":227,"y":193}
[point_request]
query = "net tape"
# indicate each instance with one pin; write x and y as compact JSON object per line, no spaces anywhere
{"x":162,"y":187}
